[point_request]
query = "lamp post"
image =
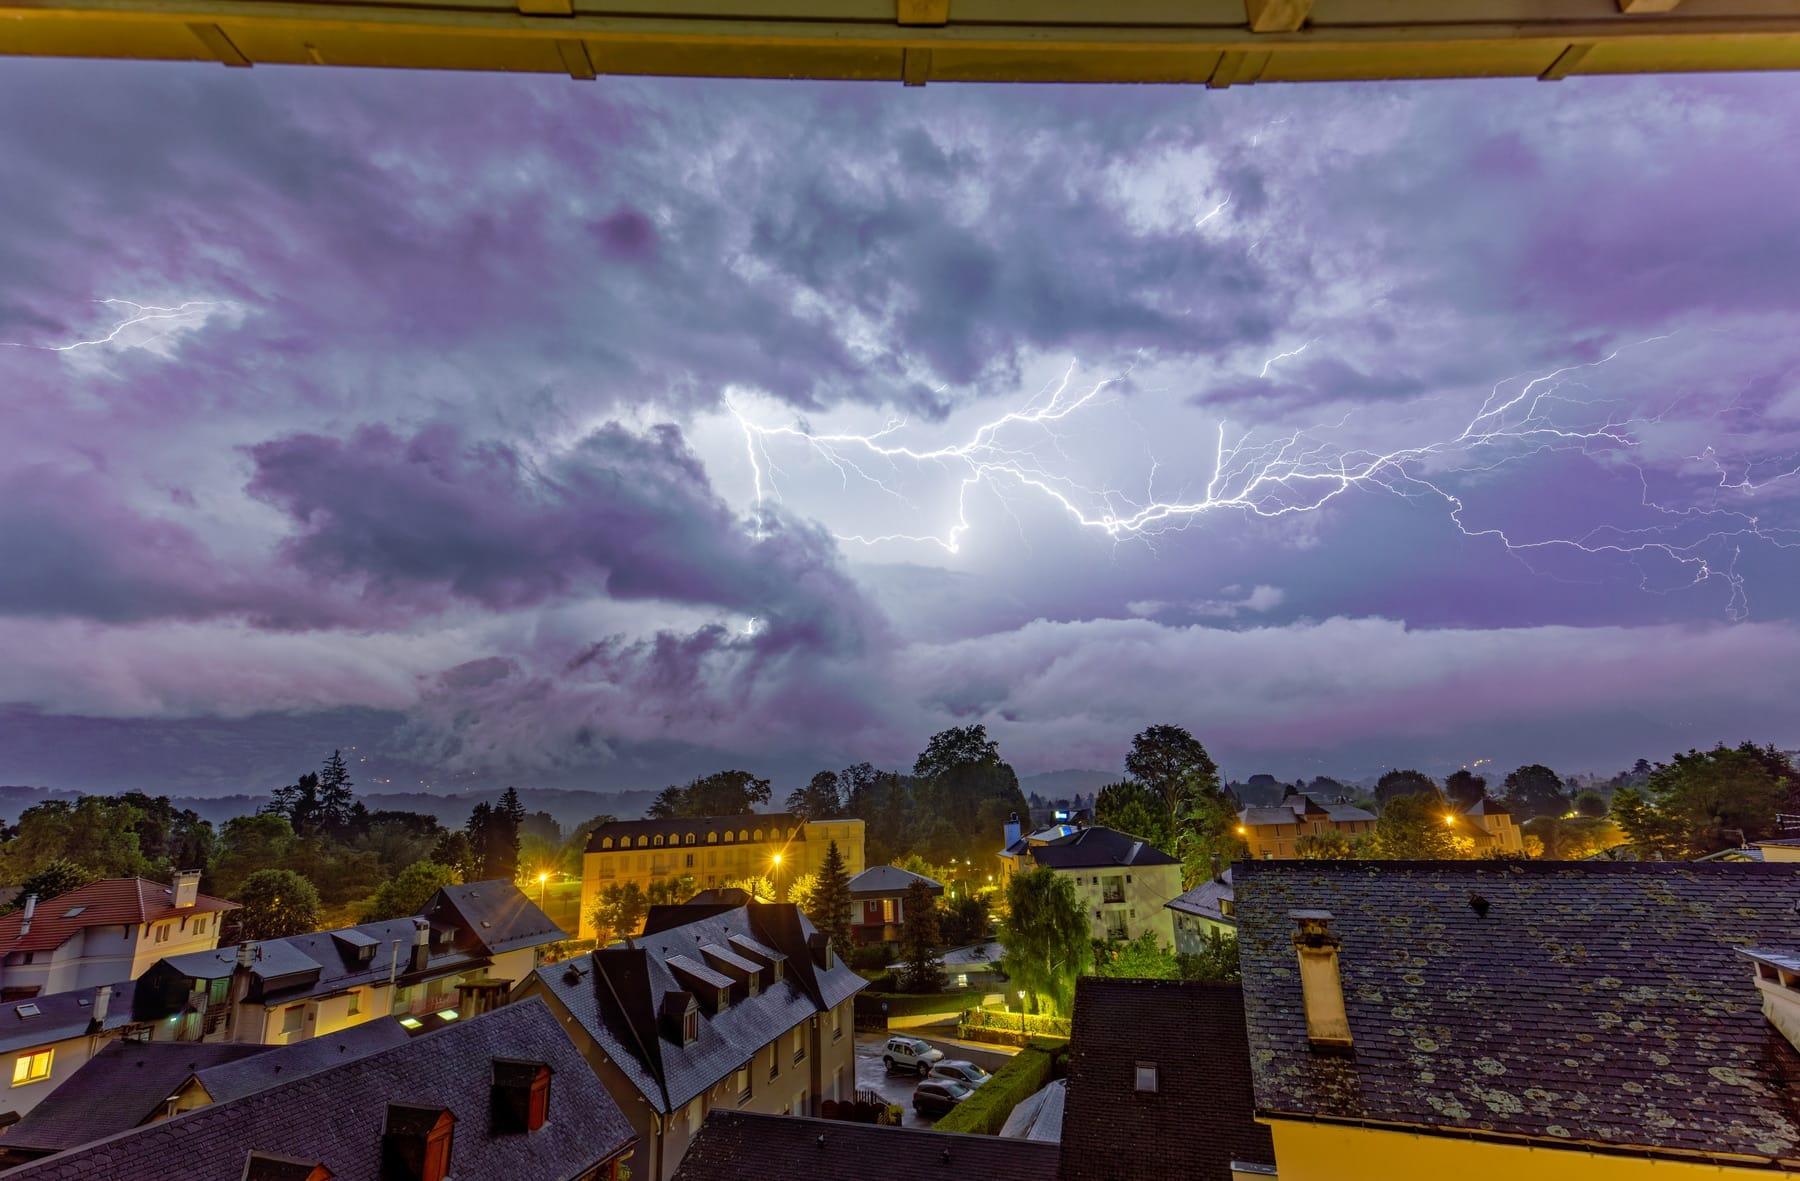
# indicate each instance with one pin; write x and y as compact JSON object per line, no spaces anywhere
{"x":1021,"y":1014}
{"x":543,"y":880}
{"x":775,"y":877}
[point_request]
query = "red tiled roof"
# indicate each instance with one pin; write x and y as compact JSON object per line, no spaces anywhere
{"x":109,"y":902}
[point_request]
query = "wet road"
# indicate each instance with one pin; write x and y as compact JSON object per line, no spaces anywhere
{"x":871,"y":1075}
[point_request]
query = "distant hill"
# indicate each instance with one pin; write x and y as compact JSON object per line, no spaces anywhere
{"x":1056,"y":785}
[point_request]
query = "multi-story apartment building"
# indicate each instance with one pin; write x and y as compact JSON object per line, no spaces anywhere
{"x":741,"y":1010}
{"x":105,"y":932}
{"x":480,"y":936}
{"x":1271,"y":833}
{"x":712,"y":850}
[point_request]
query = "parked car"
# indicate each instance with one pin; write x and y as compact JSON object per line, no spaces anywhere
{"x":910,"y":1053}
{"x":938,"y":1097}
{"x":959,"y":1071}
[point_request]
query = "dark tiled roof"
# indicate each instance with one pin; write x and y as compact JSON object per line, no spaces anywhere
{"x":1264,"y":817}
{"x":1204,"y":900}
{"x":335,"y":1117}
{"x":885,"y":881}
{"x":1593,"y":1002}
{"x":1098,"y":848}
{"x":60,"y":1015}
{"x":117,"y":1089}
{"x":496,"y":915}
{"x":744,"y":1146}
{"x":1487,"y":806}
{"x":774,"y":826}
{"x":246,"y":1076}
{"x":1200,"y":1117}
{"x":617,"y":995}
{"x":109,"y":902}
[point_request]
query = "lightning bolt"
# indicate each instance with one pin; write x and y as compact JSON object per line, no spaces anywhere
{"x":1216,"y":210}
{"x":140,"y":314}
{"x":1297,"y":472}
{"x":1284,"y":356}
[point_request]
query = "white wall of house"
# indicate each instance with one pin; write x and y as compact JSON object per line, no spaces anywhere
{"x":1123,"y":902}
{"x":66,"y":1057}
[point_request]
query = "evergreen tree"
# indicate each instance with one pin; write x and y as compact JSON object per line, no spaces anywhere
{"x":494,"y":838}
{"x":335,"y":800}
{"x":919,"y":938}
{"x":831,"y":902}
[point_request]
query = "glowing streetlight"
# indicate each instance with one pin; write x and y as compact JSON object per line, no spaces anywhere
{"x":1021,"y":1012}
{"x":543,"y":880}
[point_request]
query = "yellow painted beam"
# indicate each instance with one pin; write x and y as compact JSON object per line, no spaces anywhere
{"x":1210,"y":42}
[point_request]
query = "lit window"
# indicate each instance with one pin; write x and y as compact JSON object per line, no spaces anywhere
{"x":742,"y":1079}
{"x":32,"y":1068}
{"x":800,"y":1044}
{"x":743,"y":835}
{"x":1146,"y":1076}
{"x":712,"y":838}
{"x":355,"y":1004}
{"x":657,"y":840}
{"x":690,"y":861}
{"x":758,"y":834}
{"x":606,"y":842}
{"x":730,"y":837}
{"x":643,"y":842}
{"x":411,"y":1022}
{"x":689,"y":840}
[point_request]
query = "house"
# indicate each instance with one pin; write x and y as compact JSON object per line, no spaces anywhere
{"x":502,"y":1097}
{"x":1159,"y":1070}
{"x":740,"y":1146}
{"x":47,"y":1039}
{"x":132,"y":1083}
{"x":974,"y":965}
{"x":878,"y":902}
{"x":1271,"y":833}
{"x":104,"y":932}
{"x":471,"y":941}
{"x":1557,"y":1020}
{"x":1123,"y":882}
{"x":1039,"y":1116}
{"x":742,"y":1010}
{"x":1016,"y":840}
{"x":713,"y":851}
{"x":1778,"y":849}
{"x":1208,"y":909}
{"x":1491,"y":827}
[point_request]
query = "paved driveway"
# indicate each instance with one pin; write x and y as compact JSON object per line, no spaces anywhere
{"x":871,"y":1075}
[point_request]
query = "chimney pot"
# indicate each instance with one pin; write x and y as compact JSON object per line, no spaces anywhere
{"x":30,"y":909}
{"x":102,"y":1002}
{"x":185,"y":888}
{"x":1321,"y":987}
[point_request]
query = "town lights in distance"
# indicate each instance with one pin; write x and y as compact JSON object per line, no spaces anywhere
{"x":1030,"y":453}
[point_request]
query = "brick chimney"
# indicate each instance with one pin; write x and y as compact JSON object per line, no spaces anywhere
{"x":415,"y":1143}
{"x":30,"y":909}
{"x":186,"y":888}
{"x":1321,"y":988}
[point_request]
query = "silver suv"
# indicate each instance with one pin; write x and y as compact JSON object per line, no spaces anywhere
{"x":959,"y":1071}
{"x":910,"y":1053}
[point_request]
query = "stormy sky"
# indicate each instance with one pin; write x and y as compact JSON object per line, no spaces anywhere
{"x":597,"y":434}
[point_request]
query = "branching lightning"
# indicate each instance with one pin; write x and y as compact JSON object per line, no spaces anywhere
{"x":139,"y":314}
{"x":1300,"y":471}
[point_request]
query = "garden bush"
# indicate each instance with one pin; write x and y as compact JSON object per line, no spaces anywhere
{"x":986,"y":1110}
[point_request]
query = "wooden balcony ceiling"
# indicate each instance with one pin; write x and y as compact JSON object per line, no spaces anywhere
{"x":1216,"y":42}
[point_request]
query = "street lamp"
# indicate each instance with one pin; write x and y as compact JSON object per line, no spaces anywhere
{"x":543,"y":880}
{"x":1021,"y":1012}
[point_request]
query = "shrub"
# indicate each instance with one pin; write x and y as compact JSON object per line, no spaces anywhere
{"x":986,"y":1110}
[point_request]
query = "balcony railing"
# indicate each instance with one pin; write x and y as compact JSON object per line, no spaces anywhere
{"x":1112,"y":895}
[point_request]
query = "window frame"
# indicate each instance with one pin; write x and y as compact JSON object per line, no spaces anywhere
{"x":25,"y":1066}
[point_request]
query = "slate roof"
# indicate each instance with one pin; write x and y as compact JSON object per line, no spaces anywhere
{"x":888,"y":881}
{"x":1204,"y":899}
{"x":617,"y":995}
{"x":700,"y":826}
{"x":496,"y":915}
{"x":1345,"y":813}
{"x":1099,"y":848}
{"x":335,"y":1117}
{"x":117,"y":1089}
{"x":741,"y":1146}
{"x":1594,"y":1003}
{"x":245,"y":1076}
{"x":1039,"y":1116}
{"x":1262,"y":817}
{"x":1199,"y":1119}
{"x":59,"y":1016}
{"x":109,"y":902}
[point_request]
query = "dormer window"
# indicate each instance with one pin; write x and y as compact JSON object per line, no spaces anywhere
{"x":606,"y":842}
{"x":730,"y":836}
{"x":743,"y":835}
{"x":657,"y":840}
{"x":724,"y":999}
{"x":690,"y":839}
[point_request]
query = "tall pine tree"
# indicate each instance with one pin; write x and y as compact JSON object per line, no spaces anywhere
{"x":334,"y":795}
{"x":831,"y":902}
{"x":919,"y":938}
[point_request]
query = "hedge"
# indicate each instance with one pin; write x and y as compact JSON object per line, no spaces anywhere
{"x":1004,"y":1021}
{"x":986,"y":1110}
{"x":909,"y":1004}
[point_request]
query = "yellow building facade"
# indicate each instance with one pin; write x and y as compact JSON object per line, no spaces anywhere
{"x":713,"y":851}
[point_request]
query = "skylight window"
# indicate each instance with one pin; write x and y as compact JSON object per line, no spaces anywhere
{"x":27,"y":1011}
{"x":73,"y":911}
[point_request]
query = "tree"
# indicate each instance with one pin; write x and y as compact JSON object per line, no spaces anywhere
{"x":1130,"y":807}
{"x":1535,"y":790}
{"x":821,"y":799}
{"x":965,"y":919}
{"x":1465,"y":789}
{"x":758,"y":886}
{"x":494,"y":838}
{"x":1413,"y":828}
{"x":408,"y":891}
{"x":247,"y":844}
{"x":1590,"y":803}
{"x":1143,"y":958}
{"x":96,"y":833}
{"x":670,"y":891}
{"x":961,"y":796}
{"x":803,"y":892}
{"x":723,"y":793}
{"x":276,"y":903}
{"x":618,"y":912}
{"x":1206,"y":829}
{"x":1404,"y":783}
{"x":954,"y":749}
{"x":56,"y":878}
{"x":1704,"y":801}
{"x":1045,"y":937}
{"x":1216,"y":960}
{"x":831,"y":903}
{"x":335,"y":800}
{"x":454,"y":850}
{"x":919,"y":939}
{"x":1326,"y":846}
{"x":1168,"y":760}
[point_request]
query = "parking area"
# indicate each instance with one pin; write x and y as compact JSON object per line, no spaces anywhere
{"x":871,"y":1075}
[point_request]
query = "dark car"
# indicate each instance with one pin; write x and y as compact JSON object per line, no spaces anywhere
{"x":938,"y":1097}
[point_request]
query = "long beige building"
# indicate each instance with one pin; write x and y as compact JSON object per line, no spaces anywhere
{"x":712,"y":850}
